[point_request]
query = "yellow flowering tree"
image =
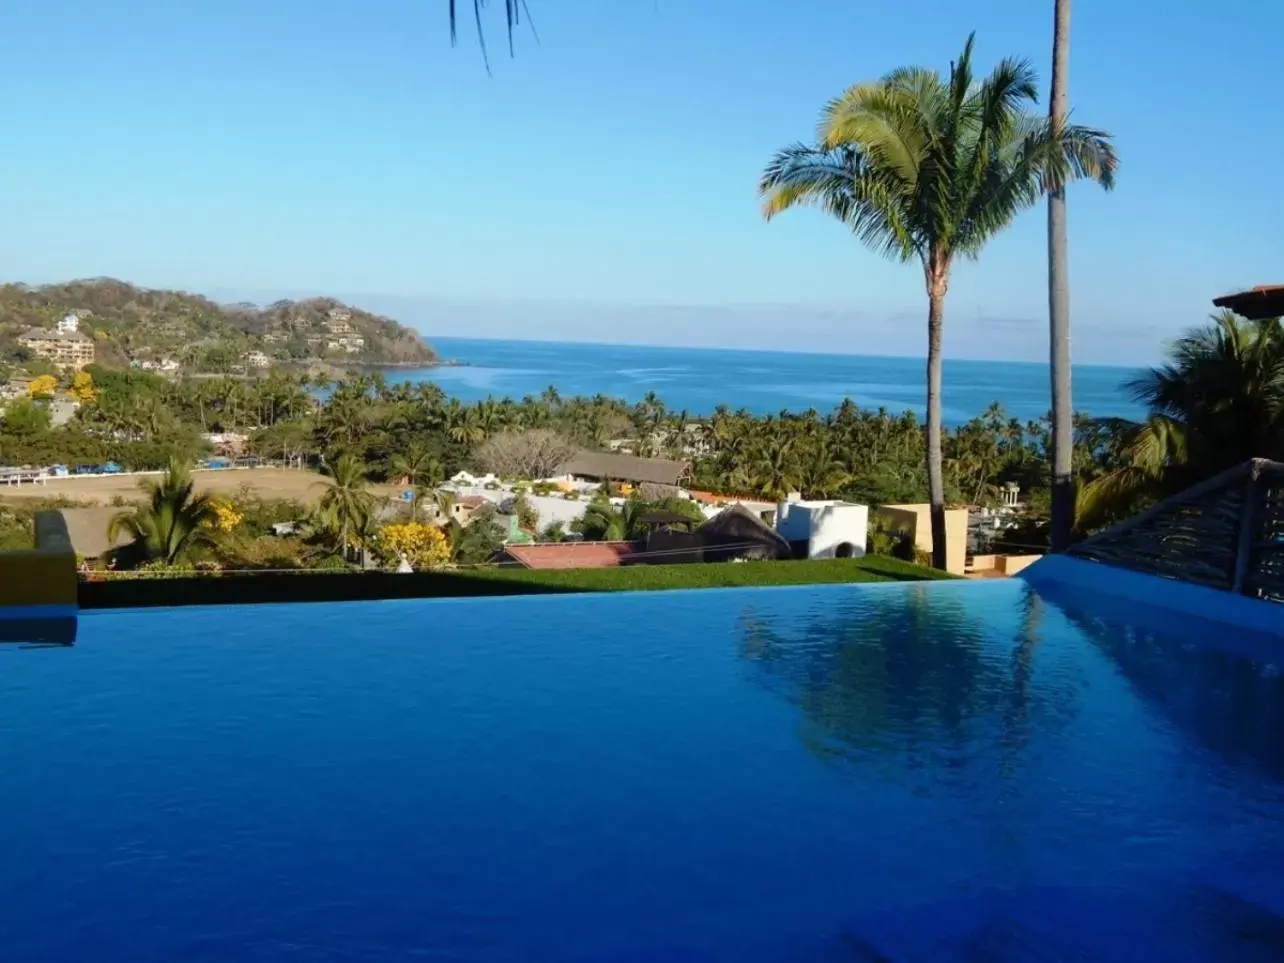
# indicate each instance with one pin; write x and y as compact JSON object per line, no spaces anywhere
{"x":42,"y":387}
{"x":83,"y":389}
{"x":227,"y":516}
{"x":423,"y":546}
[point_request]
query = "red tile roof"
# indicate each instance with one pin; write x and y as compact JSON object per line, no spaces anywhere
{"x":572,"y":554}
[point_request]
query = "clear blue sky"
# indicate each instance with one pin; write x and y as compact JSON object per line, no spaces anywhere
{"x":601,"y":185}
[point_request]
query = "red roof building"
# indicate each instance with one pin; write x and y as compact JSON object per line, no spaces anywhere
{"x":562,"y":555}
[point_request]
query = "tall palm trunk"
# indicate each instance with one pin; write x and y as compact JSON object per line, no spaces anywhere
{"x":1063,"y":496}
{"x":938,"y":282}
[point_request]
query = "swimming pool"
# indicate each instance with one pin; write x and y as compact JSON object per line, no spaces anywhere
{"x":893,"y":772}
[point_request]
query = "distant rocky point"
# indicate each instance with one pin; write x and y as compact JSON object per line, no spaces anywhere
{"x":171,"y":331}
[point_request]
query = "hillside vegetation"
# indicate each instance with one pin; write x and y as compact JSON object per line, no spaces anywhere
{"x":132,"y":324}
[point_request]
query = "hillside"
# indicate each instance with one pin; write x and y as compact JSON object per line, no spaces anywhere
{"x":136,"y":325}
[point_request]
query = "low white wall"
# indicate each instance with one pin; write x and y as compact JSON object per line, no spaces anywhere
{"x":825,"y":526}
{"x":834,"y":526}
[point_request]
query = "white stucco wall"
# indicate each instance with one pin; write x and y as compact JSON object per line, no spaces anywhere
{"x":824,"y":526}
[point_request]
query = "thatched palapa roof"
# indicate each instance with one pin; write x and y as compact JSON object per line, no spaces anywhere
{"x":1226,"y":533}
{"x":626,"y":468}
{"x":738,"y":526}
{"x":1256,"y":304}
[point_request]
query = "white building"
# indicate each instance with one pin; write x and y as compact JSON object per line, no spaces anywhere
{"x":351,"y":344}
{"x":70,"y":324}
{"x":257,"y":359}
{"x":830,"y":529}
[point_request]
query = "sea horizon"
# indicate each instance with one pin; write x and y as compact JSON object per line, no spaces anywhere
{"x":698,"y":380}
{"x":433,"y":340}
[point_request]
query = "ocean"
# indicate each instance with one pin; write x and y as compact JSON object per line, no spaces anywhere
{"x":764,"y":382}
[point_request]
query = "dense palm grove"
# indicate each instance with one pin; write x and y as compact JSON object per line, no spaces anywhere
{"x":142,"y":421}
{"x":1217,"y":401}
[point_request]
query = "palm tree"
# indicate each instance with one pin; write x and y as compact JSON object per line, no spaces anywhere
{"x":346,"y":505}
{"x":1059,"y":299}
{"x":418,"y":466}
{"x":1217,"y":402}
{"x":445,"y":505}
{"x":172,"y":527}
{"x":930,"y":168}
{"x":513,"y":10}
{"x":775,"y":472}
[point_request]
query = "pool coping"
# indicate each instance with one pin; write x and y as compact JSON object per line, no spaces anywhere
{"x":1173,"y":596}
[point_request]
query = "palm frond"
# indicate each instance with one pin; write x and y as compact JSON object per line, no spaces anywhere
{"x":932,"y":165}
{"x":514,"y":10}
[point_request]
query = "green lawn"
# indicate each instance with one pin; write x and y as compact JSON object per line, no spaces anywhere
{"x":875,"y":568}
{"x":238,"y":588}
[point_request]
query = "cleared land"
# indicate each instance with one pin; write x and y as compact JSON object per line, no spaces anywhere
{"x":286,"y":483}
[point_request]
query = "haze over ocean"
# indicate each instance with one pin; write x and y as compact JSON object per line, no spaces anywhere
{"x":700,"y":379}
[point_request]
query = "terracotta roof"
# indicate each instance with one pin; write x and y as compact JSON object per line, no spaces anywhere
{"x":1263,"y":301}
{"x":572,"y":554}
{"x":626,"y":468}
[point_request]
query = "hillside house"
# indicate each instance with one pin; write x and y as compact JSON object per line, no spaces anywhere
{"x":69,"y":350}
{"x":70,"y":324}
{"x":257,"y":359}
{"x":158,"y":365}
{"x":348,"y":344}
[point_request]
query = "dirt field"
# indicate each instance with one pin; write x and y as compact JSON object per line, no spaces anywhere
{"x":299,"y":486}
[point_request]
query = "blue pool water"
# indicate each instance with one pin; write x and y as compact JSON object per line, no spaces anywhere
{"x":957,"y":771}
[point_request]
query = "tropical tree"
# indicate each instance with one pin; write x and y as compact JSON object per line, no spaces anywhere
{"x":172,"y":526}
{"x":422,"y":546}
{"x":420,"y":467}
{"x":347,"y":505}
{"x":1216,"y":402}
{"x":25,"y":417}
{"x":1059,"y":297}
{"x":926,"y":167}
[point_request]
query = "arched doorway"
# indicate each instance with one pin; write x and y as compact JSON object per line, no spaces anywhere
{"x":844,"y":550}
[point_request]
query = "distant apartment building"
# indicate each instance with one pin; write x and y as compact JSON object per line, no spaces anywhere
{"x":351,"y":345}
{"x":158,"y":365}
{"x":340,"y":314}
{"x":67,"y":349}
{"x":257,"y":359}
{"x":70,"y":324}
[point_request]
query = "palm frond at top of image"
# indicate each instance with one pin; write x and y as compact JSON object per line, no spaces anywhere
{"x":514,"y":11}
